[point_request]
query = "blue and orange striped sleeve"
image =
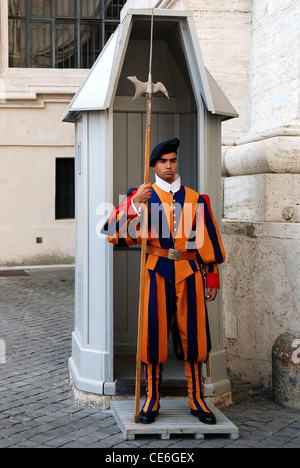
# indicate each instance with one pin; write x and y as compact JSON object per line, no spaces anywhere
{"x":210,"y":246}
{"x":123,"y":225}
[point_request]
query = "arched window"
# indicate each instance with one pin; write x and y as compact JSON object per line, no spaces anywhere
{"x":60,"y":33}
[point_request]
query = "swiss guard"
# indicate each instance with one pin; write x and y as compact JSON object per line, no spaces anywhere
{"x":184,"y":248}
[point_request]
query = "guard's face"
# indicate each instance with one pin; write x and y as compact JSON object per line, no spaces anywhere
{"x":166,"y":167}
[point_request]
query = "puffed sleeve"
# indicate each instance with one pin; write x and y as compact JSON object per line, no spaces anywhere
{"x":123,"y":225}
{"x":209,"y":244}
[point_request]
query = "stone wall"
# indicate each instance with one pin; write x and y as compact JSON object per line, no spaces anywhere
{"x":260,"y":292}
{"x":262,"y":199}
{"x":275,"y":77}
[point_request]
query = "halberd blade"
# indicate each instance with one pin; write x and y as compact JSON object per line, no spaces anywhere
{"x":140,"y":87}
{"x":147,"y":88}
{"x":160,"y":87}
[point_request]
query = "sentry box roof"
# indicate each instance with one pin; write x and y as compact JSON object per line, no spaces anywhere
{"x":176,"y":47}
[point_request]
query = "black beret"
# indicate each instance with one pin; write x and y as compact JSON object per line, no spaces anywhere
{"x":167,"y":147}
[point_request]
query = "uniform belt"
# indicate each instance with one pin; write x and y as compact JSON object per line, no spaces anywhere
{"x":171,"y":254}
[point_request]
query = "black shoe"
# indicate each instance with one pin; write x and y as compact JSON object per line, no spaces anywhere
{"x":148,"y":418}
{"x":205,"y":418}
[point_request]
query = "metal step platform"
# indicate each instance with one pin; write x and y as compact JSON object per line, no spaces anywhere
{"x":174,"y":418}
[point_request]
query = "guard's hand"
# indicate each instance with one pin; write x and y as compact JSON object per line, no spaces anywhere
{"x":143,"y":194}
{"x":211,"y":294}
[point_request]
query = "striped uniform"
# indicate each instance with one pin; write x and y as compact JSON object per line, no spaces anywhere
{"x":174,"y":290}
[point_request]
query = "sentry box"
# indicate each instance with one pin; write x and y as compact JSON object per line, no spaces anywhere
{"x":110,"y":133}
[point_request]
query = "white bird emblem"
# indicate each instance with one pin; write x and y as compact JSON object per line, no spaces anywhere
{"x":147,"y":88}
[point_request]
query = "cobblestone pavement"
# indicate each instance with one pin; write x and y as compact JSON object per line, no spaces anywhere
{"x":37,"y":409}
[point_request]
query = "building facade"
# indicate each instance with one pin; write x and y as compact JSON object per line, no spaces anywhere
{"x":46,"y":50}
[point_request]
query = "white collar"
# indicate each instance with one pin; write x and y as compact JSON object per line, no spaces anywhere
{"x":163,"y":185}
